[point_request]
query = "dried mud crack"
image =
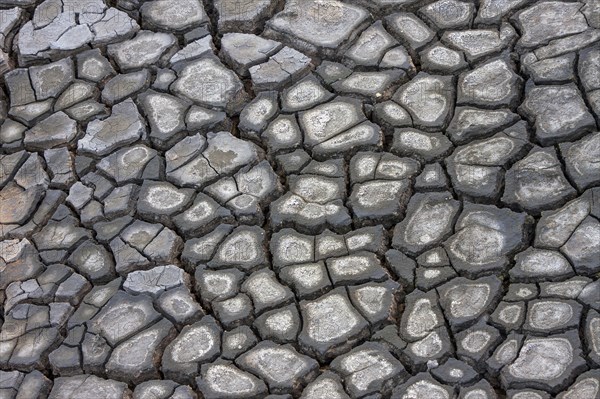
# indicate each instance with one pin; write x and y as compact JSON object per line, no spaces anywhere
{"x":316,"y":199}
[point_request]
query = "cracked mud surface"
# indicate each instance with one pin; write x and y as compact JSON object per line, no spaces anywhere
{"x":314,"y":199}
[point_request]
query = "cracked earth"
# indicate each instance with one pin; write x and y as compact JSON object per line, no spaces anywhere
{"x":313,"y":199}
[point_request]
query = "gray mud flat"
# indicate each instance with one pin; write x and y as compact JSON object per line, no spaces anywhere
{"x":315,"y":199}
